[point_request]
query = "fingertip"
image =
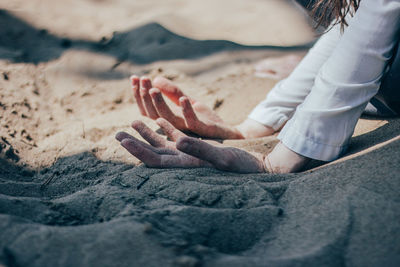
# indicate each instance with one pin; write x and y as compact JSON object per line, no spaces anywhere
{"x":166,"y":85}
{"x":120,"y":136}
{"x":131,"y":146}
{"x":137,"y":124}
{"x":123,"y":135}
{"x":183,"y":100}
{"x":126,"y":142}
{"x":186,"y":100}
{"x":188,"y":112}
{"x":184,"y":143}
{"x":160,"y":81}
{"x":145,"y":82}
{"x":135,"y":82}
{"x":154,"y":92}
{"x":134,"y":79}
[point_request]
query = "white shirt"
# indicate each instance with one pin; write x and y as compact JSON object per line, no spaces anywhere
{"x":325,"y":95}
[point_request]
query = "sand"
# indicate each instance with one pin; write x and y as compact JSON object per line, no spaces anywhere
{"x":71,"y":196}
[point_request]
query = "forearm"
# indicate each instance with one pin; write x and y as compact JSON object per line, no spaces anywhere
{"x":282,"y":101}
{"x":324,"y":123}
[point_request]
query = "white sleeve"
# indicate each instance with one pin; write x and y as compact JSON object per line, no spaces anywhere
{"x":282,"y":100}
{"x":323,"y":124}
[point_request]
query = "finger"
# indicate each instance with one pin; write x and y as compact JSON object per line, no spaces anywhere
{"x":149,"y":135}
{"x":171,"y":132}
{"x":198,"y":149}
{"x":135,"y":82}
{"x":156,"y":160}
{"x":159,"y":150}
{"x":122,"y":135}
{"x":223,"y":158}
{"x":191,"y":119}
{"x":143,"y":153}
{"x":169,"y":89}
{"x":145,"y":85}
{"x":182,"y":161}
{"x":164,"y":111}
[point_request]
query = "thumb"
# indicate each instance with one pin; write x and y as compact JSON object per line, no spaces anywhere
{"x":169,"y":89}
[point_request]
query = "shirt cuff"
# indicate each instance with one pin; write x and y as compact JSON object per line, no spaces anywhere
{"x":308,"y":147}
{"x":271,"y":117}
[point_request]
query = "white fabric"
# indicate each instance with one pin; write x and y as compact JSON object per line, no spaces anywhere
{"x":325,"y":95}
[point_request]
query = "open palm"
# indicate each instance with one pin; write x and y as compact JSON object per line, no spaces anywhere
{"x":186,"y":152}
{"x":188,"y":114}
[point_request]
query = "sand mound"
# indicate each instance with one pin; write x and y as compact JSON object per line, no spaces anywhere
{"x":107,"y":213}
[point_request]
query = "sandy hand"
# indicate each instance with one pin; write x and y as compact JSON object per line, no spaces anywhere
{"x":188,"y":114}
{"x":186,"y":152}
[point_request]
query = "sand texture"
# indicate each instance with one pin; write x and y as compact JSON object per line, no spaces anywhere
{"x":71,"y":196}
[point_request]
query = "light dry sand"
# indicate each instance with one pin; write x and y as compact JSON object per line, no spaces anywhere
{"x":70,"y":196}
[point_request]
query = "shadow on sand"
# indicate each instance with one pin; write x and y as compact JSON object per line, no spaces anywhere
{"x":375,"y":137}
{"x":20,"y":42}
{"x":80,"y":200}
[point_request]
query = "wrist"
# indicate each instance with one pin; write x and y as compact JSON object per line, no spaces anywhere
{"x":267,"y":165}
{"x":284,"y":160}
{"x":253,"y":129}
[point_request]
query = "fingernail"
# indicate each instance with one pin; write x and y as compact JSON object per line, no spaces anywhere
{"x":126,"y":142}
{"x":182,"y":143}
{"x":183,"y":100}
{"x":134,"y":79}
{"x":118,"y":136}
{"x":154,"y":92}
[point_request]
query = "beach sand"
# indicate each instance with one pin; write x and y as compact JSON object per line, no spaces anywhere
{"x":71,"y":196}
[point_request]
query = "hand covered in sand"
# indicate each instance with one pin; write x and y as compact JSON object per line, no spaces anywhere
{"x":188,"y":114}
{"x":186,"y":152}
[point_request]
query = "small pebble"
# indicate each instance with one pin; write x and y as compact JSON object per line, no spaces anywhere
{"x":5,"y":76}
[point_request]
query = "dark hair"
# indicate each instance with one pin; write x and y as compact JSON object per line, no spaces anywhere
{"x":325,"y":12}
